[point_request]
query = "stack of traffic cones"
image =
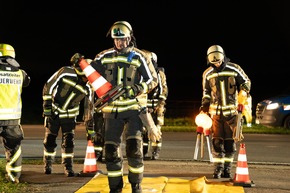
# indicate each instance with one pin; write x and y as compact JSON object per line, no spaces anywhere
{"x":242,"y":177}
{"x":90,"y":163}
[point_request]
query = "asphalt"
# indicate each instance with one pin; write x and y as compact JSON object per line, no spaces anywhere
{"x":265,"y":178}
{"x":269,"y":176}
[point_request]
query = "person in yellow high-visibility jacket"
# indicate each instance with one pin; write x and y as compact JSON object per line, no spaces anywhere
{"x":12,"y":79}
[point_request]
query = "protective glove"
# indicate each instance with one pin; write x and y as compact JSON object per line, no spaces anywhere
{"x":137,"y":89}
{"x":242,"y":97}
{"x":92,"y":135}
{"x":154,"y":134}
{"x":204,"y":109}
{"x":76,"y":58}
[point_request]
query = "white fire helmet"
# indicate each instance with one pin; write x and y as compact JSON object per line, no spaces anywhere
{"x":121,"y":29}
{"x":7,"y":50}
{"x":215,"y":54}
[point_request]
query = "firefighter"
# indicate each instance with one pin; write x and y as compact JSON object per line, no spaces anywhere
{"x":156,"y":105}
{"x":223,"y":83}
{"x":62,"y":94}
{"x":125,"y":64}
{"x":95,"y":128}
{"x":12,"y":80}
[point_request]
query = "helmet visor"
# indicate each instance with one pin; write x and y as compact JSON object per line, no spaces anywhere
{"x":215,"y":57}
{"x":120,"y":31}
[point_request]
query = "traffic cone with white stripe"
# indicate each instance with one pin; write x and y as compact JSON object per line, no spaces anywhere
{"x":90,"y":163}
{"x":105,"y":91}
{"x":242,"y":177}
{"x":100,"y":85}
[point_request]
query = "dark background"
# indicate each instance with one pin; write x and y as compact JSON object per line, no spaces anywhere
{"x":254,"y":35}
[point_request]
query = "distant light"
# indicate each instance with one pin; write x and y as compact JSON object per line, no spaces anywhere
{"x":272,"y":106}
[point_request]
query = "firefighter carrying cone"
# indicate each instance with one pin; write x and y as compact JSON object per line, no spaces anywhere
{"x":125,"y":65}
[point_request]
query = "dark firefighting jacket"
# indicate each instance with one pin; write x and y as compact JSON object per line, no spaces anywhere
{"x":63,"y":92}
{"x":160,"y":92}
{"x":221,"y":86}
{"x":119,"y":68}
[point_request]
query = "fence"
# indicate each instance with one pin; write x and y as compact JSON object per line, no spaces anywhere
{"x":181,"y":108}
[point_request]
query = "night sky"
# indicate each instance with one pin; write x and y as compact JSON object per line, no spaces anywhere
{"x":256,"y":36}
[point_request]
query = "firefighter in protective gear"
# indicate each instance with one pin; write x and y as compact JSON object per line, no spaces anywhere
{"x":156,"y":106}
{"x":124,"y":64}
{"x":221,"y":83}
{"x":62,"y":94}
{"x":12,"y":80}
{"x":95,"y":127}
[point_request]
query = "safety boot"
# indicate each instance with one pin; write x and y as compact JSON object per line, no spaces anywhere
{"x":69,"y":172}
{"x":118,"y":188}
{"x":14,"y":180}
{"x":227,"y":170}
{"x":68,"y":166}
{"x":99,"y":155}
{"x":155,"y":153}
{"x":219,"y":169}
{"x":136,"y":188}
{"x":48,"y":160}
{"x":116,"y":191}
{"x":145,"y":150}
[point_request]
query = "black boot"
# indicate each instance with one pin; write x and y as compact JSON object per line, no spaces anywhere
{"x":99,"y":155}
{"x":118,"y":188}
{"x":219,"y":169}
{"x":136,"y":188}
{"x":68,"y":166}
{"x":116,"y":191}
{"x":68,"y":171}
{"x":227,"y":170}
{"x":155,"y":152}
{"x":48,"y":160}
{"x":145,"y":150}
{"x":155,"y":155}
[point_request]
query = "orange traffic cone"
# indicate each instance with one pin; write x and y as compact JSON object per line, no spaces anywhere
{"x":100,"y":85}
{"x":242,"y":172}
{"x":90,"y":163}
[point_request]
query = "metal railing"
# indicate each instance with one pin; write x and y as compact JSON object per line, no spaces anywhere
{"x":181,"y":108}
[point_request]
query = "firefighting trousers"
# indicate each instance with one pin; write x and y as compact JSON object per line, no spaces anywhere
{"x":223,"y":143}
{"x":114,"y":127}
{"x":99,"y":128}
{"x":52,"y":127}
{"x":12,"y":136}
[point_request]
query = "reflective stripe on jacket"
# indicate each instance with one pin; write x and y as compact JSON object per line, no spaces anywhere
{"x":128,"y":68}
{"x":63,"y":92}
